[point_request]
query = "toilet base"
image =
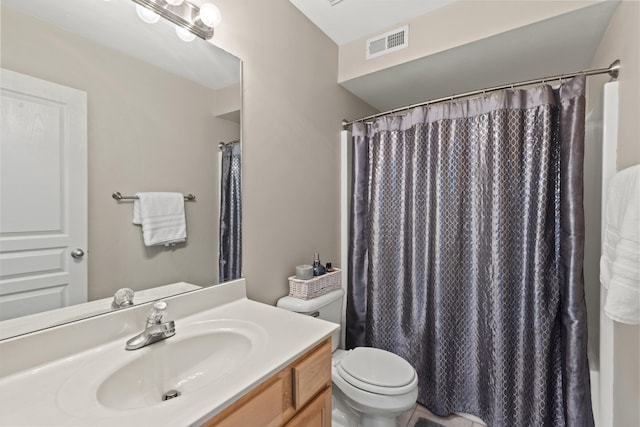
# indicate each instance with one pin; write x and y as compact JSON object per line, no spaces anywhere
{"x":342,"y":415}
{"x":338,"y":419}
{"x":377,"y":421}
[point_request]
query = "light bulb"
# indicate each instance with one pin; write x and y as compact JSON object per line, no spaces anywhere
{"x":210,"y":15}
{"x":174,"y":2}
{"x":147,"y":15}
{"x":185,"y":34}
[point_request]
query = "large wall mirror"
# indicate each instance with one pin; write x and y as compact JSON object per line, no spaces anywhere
{"x":160,"y":113}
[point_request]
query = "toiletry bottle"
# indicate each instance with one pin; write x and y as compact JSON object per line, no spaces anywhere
{"x":318,"y":268}
{"x":329,"y":268}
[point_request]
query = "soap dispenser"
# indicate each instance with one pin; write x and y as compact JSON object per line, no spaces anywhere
{"x":318,"y":268}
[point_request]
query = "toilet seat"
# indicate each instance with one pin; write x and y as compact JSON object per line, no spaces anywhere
{"x":377,"y":371}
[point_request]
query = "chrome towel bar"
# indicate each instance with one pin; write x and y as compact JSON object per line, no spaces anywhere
{"x":118,"y":196}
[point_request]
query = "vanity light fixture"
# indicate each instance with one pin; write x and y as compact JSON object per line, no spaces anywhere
{"x":189,"y":19}
{"x":184,"y":34}
{"x":147,"y":15}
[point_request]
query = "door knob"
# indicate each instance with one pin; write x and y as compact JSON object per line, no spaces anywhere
{"x":77,"y":253}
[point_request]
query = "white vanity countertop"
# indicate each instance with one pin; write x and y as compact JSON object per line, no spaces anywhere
{"x":63,"y":391}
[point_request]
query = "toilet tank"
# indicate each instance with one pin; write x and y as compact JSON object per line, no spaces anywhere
{"x":326,"y":307}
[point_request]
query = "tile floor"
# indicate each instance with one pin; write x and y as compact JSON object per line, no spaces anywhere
{"x":410,"y":418}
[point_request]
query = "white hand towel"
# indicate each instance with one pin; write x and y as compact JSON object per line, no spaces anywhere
{"x":162,"y":218}
{"x":620,"y":261}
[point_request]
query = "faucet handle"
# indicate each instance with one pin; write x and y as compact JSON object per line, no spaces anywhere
{"x":157,"y":313}
{"x":122,"y":298}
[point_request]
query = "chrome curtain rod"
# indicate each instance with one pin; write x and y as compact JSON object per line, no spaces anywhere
{"x":118,"y":196}
{"x":613,"y":70}
{"x":222,"y":144}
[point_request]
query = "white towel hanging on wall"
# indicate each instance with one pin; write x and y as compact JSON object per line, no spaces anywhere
{"x":162,"y":218}
{"x":620,"y":261}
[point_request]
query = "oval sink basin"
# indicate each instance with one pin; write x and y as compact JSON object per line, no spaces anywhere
{"x":198,"y":355}
{"x":183,"y":364}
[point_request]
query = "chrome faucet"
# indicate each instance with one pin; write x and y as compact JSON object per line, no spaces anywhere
{"x":156,"y":328}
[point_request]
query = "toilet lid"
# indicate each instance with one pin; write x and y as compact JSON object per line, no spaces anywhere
{"x":377,"y":371}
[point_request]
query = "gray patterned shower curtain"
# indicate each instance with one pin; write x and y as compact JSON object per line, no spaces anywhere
{"x":466,"y":251}
{"x":230,"y":251}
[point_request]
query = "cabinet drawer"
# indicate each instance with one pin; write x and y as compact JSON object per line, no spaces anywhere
{"x":312,"y":374}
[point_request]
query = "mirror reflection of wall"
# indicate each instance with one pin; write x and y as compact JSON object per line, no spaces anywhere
{"x":148,"y":129}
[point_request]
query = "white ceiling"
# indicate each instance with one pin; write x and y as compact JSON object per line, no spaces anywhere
{"x":116,"y":25}
{"x":349,"y":20}
{"x":562,"y":44}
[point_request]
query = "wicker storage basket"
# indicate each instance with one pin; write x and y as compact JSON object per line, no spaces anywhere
{"x":319,"y":285}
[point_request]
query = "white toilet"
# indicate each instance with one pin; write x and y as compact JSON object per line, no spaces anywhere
{"x":371,"y":387}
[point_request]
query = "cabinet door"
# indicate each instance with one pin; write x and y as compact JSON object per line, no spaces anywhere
{"x":315,"y":414}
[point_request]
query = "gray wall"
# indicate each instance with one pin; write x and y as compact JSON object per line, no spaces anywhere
{"x":292,"y":110}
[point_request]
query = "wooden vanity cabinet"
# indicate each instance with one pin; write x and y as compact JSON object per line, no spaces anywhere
{"x":316,"y":414}
{"x":297,"y":396}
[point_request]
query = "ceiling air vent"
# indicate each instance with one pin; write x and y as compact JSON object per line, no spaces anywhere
{"x":388,"y":42}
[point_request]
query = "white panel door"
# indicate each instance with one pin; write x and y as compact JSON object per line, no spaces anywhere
{"x":43,"y":195}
